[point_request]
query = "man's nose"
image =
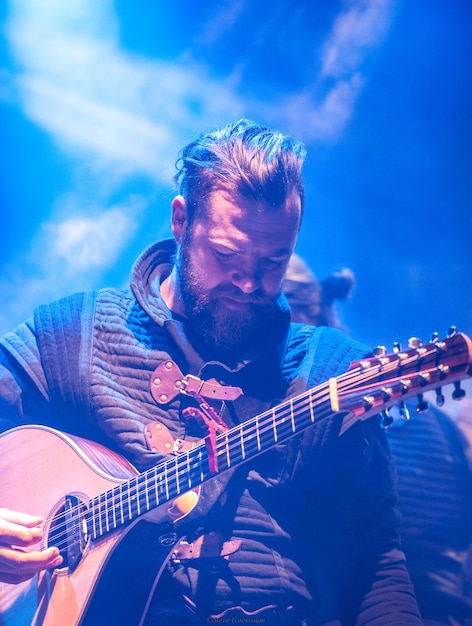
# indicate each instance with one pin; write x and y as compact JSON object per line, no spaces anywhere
{"x":246,"y":278}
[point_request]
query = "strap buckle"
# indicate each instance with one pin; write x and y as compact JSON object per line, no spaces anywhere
{"x":167,"y":381}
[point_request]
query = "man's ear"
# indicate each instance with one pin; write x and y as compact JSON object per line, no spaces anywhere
{"x":179,"y":218}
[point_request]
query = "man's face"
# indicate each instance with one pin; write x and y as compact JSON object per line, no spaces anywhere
{"x":230,"y":269}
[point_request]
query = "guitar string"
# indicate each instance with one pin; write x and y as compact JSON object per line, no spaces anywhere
{"x":260,"y":427}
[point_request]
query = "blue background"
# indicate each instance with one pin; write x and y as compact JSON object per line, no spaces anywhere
{"x":97,"y":98}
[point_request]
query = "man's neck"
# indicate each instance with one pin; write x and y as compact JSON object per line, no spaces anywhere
{"x":170,"y":293}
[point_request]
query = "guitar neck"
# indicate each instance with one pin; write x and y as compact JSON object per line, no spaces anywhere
{"x":368,"y":387}
{"x":188,"y":470}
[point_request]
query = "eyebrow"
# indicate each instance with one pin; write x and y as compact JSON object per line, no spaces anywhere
{"x":281,"y":252}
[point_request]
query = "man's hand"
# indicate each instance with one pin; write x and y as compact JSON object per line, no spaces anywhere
{"x":18,"y":531}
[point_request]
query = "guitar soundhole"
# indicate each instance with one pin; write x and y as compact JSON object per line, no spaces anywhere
{"x":68,"y":531}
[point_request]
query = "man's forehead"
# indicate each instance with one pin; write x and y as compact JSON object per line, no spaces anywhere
{"x":222,"y":205}
{"x":247,"y":223}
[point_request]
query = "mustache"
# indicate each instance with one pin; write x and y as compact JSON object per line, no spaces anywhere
{"x":238,"y":296}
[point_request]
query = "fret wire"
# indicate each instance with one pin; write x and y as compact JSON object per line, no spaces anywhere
{"x":107,"y":510}
{"x":172,"y":477}
{"x":194,"y":467}
{"x":312,"y":411}
{"x":177,"y":481}
{"x":137,"y":496}
{"x":94,"y":518}
{"x":187,"y":464}
{"x":134,"y":499}
{"x":113,"y":505}
{"x":101,"y":514}
{"x":117,"y":506}
{"x":188,"y":472}
{"x":120,"y":501}
{"x":292,"y":416}
{"x":179,"y":474}
{"x":142,"y":493}
{"x":241,"y":441}
{"x":202,"y":474}
{"x":153,"y":494}
{"x":119,"y":491}
{"x":102,"y":521}
{"x":128,"y":500}
{"x":157,"y":484}
{"x":166,"y":482}
{"x":104,"y":513}
{"x":97,"y":516}
{"x":146,"y":491}
{"x":274,"y":423}
{"x":228,"y":457}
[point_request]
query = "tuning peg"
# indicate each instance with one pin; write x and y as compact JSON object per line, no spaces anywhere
{"x":397,"y":347}
{"x":379,"y":351}
{"x":386,"y":420}
{"x":435,"y":337}
{"x":452,"y":331}
{"x":414,"y":342}
{"x":439,"y":397}
{"x":404,"y":412}
{"x":458,"y":392}
{"x":423,"y":405}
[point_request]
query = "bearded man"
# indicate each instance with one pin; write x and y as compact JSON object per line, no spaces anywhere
{"x":201,"y":344}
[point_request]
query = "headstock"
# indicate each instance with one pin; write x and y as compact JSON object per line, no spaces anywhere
{"x":373,"y":385}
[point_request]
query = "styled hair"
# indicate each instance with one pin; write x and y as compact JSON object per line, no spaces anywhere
{"x":244,"y":158}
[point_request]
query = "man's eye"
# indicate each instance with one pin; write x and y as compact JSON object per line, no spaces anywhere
{"x":224,"y":256}
{"x":274,"y":263}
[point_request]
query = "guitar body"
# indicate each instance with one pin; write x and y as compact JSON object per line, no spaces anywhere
{"x":39,"y":467}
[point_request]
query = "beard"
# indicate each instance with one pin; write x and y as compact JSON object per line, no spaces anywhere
{"x":225,"y":333}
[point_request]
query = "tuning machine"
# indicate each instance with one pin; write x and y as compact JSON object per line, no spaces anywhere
{"x":386,"y":420}
{"x":440,"y":400}
{"x":404,"y":412}
{"x":458,"y":392}
{"x":415,"y":342}
{"x":423,"y":405}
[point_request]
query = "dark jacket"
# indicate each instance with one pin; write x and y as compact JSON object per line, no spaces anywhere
{"x":319,"y":507}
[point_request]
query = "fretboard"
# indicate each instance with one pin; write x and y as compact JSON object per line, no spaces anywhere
{"x":187,"y":470}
